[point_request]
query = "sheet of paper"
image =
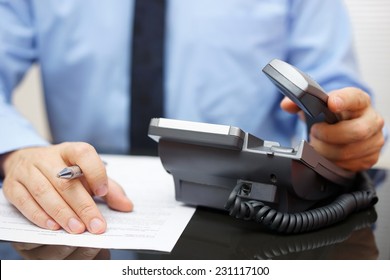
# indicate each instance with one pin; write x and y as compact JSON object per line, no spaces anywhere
{"x":155,"y":224}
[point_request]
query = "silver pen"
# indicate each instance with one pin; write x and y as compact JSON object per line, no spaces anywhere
{"x":70,"y":172}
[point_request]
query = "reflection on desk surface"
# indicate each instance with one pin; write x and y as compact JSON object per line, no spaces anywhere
{"x":247,"y":241}
{"x":215,"y":235}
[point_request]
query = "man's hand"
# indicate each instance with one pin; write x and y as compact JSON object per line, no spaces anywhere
{"x":32,"y":186}
{"x":355,"y":142}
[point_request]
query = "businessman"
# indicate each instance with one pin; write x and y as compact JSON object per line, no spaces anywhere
{"x":212,"y":55}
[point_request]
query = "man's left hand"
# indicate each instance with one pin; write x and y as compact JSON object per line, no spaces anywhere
{"x":355,"y":142}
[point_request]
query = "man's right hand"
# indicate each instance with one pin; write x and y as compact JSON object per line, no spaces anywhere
{"x":31,"y":185}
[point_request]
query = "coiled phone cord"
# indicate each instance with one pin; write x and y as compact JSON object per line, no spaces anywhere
{"x":279,"y":246}
{"x":339,"y":209}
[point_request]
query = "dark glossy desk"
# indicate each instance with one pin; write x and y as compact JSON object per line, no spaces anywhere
{"x":215,"y":235}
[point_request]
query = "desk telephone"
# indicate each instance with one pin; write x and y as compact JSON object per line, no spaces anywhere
{"x":287,"y":189}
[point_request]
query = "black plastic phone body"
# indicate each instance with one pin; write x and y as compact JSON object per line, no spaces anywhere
{"x":207,"y":161}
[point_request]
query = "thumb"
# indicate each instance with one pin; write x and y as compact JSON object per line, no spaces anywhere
{"x":116,"y":198}
{"x":350,"y":102}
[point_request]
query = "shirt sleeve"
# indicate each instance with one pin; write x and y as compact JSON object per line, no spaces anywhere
{"x":17,"y":53}
{"x":321,"y":43}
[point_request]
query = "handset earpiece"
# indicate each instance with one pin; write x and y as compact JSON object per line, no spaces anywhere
{"x":301,"y":89}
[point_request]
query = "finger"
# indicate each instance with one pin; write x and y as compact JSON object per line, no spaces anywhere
{"x":289,"y":106}
{"x":117,"y":199}
{"x":350,"y":153}
{"x":43,"y":189}
{"x":349,"y":131}
{"x":37,"y":199}
{"x":348,"y":99}
{"x":360,"y":164}
{"x":86,"y":157}
{"x":68,"y":202}
{"x":78,"y":198}
{"x":20,"y":197}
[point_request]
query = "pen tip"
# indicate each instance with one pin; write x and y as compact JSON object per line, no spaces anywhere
{"x":65,"y":173}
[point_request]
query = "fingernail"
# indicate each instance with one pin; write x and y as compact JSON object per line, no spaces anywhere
{"x":52,"y":224}
{"x":75,"y":225}
{"x":101,"y":191}
{"x":338,"y":102}
{"x":96,"y":225}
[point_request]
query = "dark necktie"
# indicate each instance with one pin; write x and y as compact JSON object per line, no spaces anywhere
{"x":147,"y":73}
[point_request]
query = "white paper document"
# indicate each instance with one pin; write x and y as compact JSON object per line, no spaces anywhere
{"x":155,"y":224}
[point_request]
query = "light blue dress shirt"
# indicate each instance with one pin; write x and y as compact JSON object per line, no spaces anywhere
{"x":215,"y":51}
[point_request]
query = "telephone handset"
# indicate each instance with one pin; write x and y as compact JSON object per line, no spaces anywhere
{"x":300,"y":88}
